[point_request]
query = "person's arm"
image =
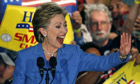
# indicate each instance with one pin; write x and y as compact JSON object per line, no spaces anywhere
{"x":90,"y":62}
{"x":129,"y":23}
{"x":89,"y":77}
{"x":104,"y":61}
{"x":76,"y":23}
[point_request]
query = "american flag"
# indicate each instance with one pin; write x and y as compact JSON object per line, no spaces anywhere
{"x":34,"y":3}
{"x":70,"y":5}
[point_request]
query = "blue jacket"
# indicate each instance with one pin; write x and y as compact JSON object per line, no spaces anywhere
{"x":70,"y":61}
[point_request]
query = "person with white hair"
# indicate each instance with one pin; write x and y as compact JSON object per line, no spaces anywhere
{"x":99,"y":22}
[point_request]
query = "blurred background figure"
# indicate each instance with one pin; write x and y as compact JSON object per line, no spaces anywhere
{"x":7,"y":65}
{"x":80,"y":29}
{"x":120,"y":10}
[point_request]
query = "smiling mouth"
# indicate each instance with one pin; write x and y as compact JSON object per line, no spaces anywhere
{"x":60,"y":40}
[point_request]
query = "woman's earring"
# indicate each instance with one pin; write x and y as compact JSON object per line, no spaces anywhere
{"x":44,"y":35}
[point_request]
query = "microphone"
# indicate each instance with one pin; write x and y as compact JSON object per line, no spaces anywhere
{"x":53,"y":63}
{"x":40,"y":64}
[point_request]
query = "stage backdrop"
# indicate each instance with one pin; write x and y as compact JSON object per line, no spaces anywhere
{"x":16,"y":31}
{"x":128,"y":74}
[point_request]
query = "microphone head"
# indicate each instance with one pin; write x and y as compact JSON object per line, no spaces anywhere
{"x":40,"y":62}
{"x":53,"y":62}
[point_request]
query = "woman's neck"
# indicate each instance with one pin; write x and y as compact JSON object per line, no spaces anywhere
{"x":49,"y":51}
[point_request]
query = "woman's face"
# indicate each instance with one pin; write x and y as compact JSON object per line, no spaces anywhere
{"x":56,"y":31}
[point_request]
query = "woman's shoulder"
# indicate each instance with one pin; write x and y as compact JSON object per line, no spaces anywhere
{"x":32,"y":49}
{"x":29,"y":53}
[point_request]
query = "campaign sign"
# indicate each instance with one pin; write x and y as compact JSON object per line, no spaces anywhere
{"x":128,"y":74}
{"x":16,"y":31}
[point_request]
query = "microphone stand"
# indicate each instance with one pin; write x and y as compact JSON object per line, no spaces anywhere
{"x":47,"y":76}
{"x":40,"y":64}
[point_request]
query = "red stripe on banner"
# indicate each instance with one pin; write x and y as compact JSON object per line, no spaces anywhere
{"x":110,"y":74}
{"x":63,"y":5}
{"x":104,"y":76}
{"x":131,"y":82}
{"x":69,"y":4}
{"x":35,"y":3}
{"x":31,"y":29}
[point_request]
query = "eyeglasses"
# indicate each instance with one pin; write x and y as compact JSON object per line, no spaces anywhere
{"x":102,"y":23}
